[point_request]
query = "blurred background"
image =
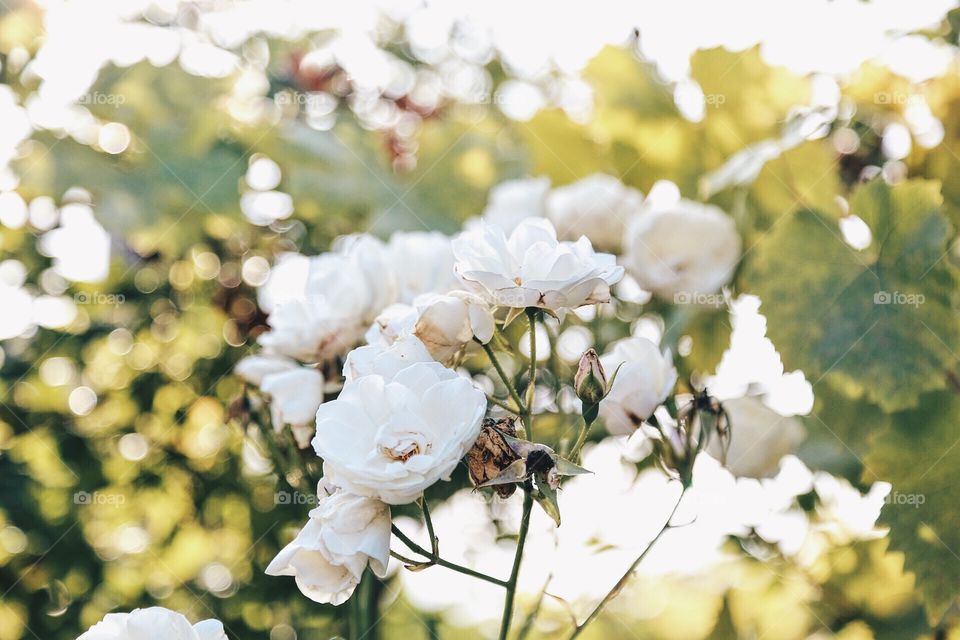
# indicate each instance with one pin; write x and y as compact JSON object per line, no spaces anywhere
{"x":158,"y":159}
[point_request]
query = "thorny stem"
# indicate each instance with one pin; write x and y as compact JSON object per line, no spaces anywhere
{"x":514,"y":574}
{"x":432,"y":559}
{"x":503,"y":376}
{"x":615,"y":591}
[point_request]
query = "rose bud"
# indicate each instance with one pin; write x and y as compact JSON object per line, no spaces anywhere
{"x":590,"y":380}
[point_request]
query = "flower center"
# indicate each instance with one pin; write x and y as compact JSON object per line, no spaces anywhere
{"x":402,"y":452}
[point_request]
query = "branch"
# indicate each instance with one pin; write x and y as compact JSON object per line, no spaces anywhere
{"x":621,"y":583}
{"x":435,"y":560}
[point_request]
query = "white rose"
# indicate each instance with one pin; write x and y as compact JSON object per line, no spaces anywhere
{"x":513,"y":201}
{"x":295,"y":392}
{"x":370,"y":264}
{"x":688,"y":248}
{"x":421,"y":262}
{"x":393,"y":322}
{"x":643,"y":383}
{"x":391,"y":439}
{"x":530,"y":268}
{"x":254,"y":369}
{"x":759,"y":438}
{"x":287,"y":281}
{"x":344,"y":291}
{"x":154,"y":623}
{"x":385,"y":361}
{"x":448,"y":324}
{"x":331,"y":316}
{"x":327,"y":558}
{"x":598,"y":206}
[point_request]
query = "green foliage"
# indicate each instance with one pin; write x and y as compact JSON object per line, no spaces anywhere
{"x":881,"y":318}
{"x":917,"y":454}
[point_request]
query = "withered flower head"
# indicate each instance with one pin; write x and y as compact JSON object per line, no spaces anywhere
{"x":491,"y":454}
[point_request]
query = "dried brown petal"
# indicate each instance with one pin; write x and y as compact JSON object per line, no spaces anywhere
{"x":491,"y":454}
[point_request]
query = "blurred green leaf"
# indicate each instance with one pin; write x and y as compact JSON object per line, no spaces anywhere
{"x":918,"y":454}
{"x":882,"y":318}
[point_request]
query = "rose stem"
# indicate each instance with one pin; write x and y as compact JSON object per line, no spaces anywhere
{"x":413,"y":546}
{"x":503,"y":377}
{"x":532,"y":378}
{"x":626,"y":576}
{"x":434,"y":541}
{"x":515,"y":573}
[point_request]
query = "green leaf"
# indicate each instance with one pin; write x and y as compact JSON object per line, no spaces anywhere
{"x":560,"y":148}
{"x":919,"y":456}
{"x":838,"y":431}
{"x":746,"y":99}
{"x":883,"y":318}
{"x":546,"y":497}
{"x":709,"y":329}
{"x":805,"y":176}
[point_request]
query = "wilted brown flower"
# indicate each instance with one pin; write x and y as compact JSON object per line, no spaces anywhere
{"x":491,"y":454}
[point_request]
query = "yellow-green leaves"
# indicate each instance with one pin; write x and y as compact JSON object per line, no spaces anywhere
{"x":882,"y":317}
{"x":919,"y":455}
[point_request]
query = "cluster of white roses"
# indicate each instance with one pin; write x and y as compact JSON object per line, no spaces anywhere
{"x":669,"y":244}
{"x":396,"y":318}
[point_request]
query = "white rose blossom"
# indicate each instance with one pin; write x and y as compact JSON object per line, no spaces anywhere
{"x":759,"y":438}
{"x":644,"y":381}
{"x":344,"y":534}
{"x":391,"y":438}
{"x":421,"y":262}
{"x":513,"y":201}
{"x":686,"y":249}
{"x":330,"y":318}
{"x":153,"y":623}
{"x":393,"y":322}
{"x":385,"y":360}
{"x":531,"y":268}
{"x":598,"y":207}
{"x":327,"y":310}
{"x":447,"y":324}
{"x":295,"y":392}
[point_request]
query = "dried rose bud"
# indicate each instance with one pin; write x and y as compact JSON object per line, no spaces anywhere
{"x":491,"y":454}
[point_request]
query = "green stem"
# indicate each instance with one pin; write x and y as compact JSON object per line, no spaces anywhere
{"x":434,"y":541}
{"x":515,"y":572}
{"x":532,"y":378}
{"x":431,"y":559}
{"x":581,"y":440}
{"x":629,"y":572}
{"x":299,"y":460}
{"x":503,"y":376}
{"x":501,"y":404}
